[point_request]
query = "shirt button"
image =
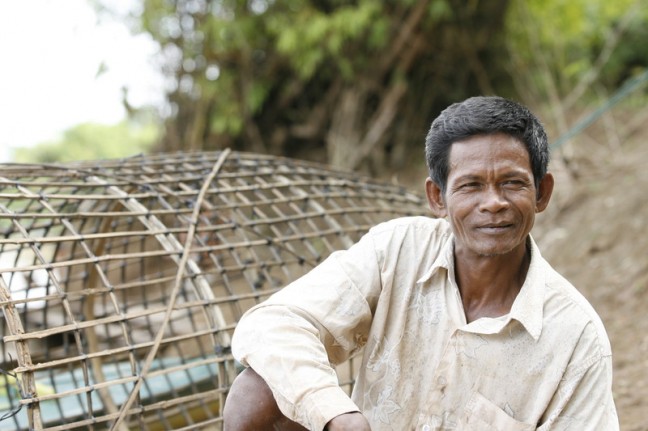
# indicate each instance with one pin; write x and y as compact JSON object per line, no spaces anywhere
{"x":426,"y":427}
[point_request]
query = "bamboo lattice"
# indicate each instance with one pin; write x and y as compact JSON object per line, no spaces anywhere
{"x":121,"y":281}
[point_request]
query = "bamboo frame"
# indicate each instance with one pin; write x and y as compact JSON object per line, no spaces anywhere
{"x":121,"y":281}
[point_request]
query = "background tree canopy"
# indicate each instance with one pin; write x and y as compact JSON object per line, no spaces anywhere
{"x":342,"y":81}
{"x":356,"y":83}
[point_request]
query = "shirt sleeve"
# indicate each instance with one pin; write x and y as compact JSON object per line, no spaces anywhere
{"x":584,"y":399}
{"x":292,"y":339}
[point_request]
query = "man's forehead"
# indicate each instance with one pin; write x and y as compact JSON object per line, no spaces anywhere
{"x":488,"y":150}
{"x":493,"y":136}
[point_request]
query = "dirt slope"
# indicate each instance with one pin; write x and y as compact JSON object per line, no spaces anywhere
{"x":596,"y":237}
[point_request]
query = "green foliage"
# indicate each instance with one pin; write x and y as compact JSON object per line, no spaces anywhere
{"x":440,"y":9}
{"x":235,"y":61}
{"x":630,"y":57}
{"x":91,"y":141}
{"x":277,"y":76}
{"x":565,"y":39}
{"x":310,"y":37}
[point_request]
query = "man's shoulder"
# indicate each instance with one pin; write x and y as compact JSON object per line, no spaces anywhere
{"x":413,"y":223}
{"x":566,"y":307}
{"x":409,"y":242}
{"x":564,"y":293}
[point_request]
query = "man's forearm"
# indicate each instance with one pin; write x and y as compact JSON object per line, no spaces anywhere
{"x":354,"y":421}
{"x":285,"y":349}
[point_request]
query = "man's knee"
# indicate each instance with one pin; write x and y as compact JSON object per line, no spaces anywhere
{"x":250,"y":405}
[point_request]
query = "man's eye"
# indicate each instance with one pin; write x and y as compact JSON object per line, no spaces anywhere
{"x":469,"y":185}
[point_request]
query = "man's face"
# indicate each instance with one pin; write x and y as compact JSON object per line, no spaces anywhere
{"x":490,"y":199}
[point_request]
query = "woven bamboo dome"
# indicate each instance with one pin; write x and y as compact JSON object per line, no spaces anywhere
{"x":121,"y":281}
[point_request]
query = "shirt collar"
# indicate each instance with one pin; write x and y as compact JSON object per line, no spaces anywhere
{"x":528,"y":305}
{"x":445,"y":260}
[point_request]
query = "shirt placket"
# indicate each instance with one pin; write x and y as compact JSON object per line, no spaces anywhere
{"x":438,"y":411}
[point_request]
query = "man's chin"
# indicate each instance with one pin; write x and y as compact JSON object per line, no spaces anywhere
{"x":492,"y":251}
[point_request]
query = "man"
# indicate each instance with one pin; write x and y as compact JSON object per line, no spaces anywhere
{"x":465,"y":325}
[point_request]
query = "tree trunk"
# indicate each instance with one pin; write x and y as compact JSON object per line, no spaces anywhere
{"x":343,"y":137}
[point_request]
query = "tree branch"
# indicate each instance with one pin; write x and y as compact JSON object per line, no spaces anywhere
{"x":477,"y":67}
{"x":380,"y":122}
{"x":318,"y":115}
{"x":610,"y":45}
{"x":405,"y":34}
{"x":388,"y":108}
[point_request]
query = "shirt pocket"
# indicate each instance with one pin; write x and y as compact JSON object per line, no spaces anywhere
{"x":482,"y":414}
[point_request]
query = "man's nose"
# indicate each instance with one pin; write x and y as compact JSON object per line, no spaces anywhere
{"x":493,"y":200}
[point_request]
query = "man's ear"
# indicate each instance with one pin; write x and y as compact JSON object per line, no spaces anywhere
{"x":435,"y":198}
{"x":545,"y":189}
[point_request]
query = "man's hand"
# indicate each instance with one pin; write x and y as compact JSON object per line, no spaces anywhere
{"x":348,"y":422}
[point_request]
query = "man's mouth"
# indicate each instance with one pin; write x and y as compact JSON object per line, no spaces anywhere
{"x":495,"y":227}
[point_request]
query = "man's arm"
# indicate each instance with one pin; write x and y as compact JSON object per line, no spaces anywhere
{"x":584,"y":399}
{"x":353,"y":421}
{"x":292,"y":339}
{"x":250,"y":406}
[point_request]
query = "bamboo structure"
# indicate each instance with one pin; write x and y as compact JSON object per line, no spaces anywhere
{"x":121,"y":281}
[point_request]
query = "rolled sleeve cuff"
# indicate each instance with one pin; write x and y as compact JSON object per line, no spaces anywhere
{"x":325,"y":404}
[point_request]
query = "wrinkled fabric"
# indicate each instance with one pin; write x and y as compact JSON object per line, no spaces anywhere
{"x":545,"y":365}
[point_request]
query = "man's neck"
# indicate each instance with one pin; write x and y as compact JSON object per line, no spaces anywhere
{"x":490,"y":284}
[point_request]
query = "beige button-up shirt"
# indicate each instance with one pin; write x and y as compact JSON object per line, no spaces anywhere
{"x":546,"y":365}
